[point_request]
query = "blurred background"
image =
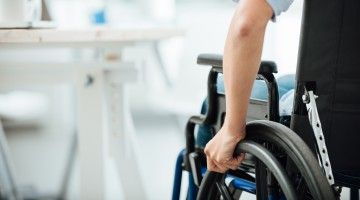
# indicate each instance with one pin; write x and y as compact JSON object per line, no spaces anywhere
{"x":39,"y":121}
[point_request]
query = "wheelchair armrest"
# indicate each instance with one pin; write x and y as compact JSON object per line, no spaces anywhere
{"x":216,"y":60}
{"x":197,"y":119}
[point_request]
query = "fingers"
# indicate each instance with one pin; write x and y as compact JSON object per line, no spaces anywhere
{"x":234,"y":163}
{"x":212,"y":165}
{"x":219,"y":153}
{"x":241,"y":157}
{"x":237,"y":160}
{"x":222,"y":167}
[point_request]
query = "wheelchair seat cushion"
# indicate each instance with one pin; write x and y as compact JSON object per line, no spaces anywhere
{"x":286,"y":103}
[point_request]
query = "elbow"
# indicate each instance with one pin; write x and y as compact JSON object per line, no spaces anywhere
{"x":243,"y":29}
{"x":246,"y":27}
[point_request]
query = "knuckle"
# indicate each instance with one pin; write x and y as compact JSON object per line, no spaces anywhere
{"x":220,"y":159}
{"x":206,"y":151}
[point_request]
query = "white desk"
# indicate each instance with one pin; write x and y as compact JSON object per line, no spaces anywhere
{"x":103,"y":117}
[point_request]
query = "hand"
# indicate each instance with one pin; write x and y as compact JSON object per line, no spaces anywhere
{"x":220,"y":151}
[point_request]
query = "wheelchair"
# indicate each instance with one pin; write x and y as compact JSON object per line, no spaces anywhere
{"x":311,"y":154}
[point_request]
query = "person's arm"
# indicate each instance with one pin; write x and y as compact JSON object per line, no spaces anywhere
{"x":241,"y":62}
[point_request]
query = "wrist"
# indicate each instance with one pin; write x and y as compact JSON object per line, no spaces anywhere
{"x":235,"y":130}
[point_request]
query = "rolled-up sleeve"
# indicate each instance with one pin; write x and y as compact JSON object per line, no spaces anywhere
{"x":278,"y":6}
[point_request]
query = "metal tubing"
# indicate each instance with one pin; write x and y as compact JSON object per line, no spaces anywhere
{"x":177,"y":176}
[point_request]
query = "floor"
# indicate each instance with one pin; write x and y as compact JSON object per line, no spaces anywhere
{"x":161,"y":138}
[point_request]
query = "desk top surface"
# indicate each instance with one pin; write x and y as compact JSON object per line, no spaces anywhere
{"x":98,"y":34}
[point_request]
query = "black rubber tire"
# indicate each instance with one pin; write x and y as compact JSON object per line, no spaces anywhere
{"x":298,"y":152}
{"x":263,"y":155}
{"x":296,"y":149}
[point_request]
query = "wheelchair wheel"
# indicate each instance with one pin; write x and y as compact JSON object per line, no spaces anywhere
{"x":302,"y":179}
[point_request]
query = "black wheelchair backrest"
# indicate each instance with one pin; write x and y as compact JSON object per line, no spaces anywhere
{"x":329,"y":64}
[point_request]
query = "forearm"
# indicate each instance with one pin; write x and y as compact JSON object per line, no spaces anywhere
{"x":242,"y":56}
{"x":241,"y":62}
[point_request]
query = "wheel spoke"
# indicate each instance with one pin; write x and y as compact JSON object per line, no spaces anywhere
{"x":223,"y":190}
{"x":261,"y":184}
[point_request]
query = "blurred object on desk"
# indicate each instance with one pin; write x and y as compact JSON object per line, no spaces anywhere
{"x":20,"y":10}
{"x":24,"y":14}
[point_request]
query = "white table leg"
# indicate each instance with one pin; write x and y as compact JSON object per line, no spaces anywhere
{"x":91,"y":133}
{"x":123,"y":143}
